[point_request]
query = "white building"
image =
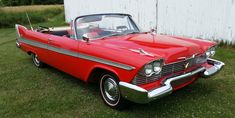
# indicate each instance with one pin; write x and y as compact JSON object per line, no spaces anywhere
{"x":206,"y":19}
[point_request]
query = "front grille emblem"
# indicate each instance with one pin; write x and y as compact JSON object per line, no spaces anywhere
{"x":186,"y":65}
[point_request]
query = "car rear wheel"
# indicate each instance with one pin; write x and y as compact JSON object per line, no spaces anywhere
{"x":36,"y":61}
{"x":110,"y":93}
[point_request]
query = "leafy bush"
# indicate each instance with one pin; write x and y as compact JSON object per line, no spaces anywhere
{"x":9,"y":19}
{"x":29,"y":2}
{"x":38,"y":2}
{"x":15,"y":2}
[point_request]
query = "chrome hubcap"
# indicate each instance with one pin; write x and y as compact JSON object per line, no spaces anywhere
{"x":36,"y":61}
{"x":111,"y":89}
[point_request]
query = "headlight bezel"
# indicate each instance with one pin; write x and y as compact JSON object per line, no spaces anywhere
{"x":211,"y":51}
{"x":156,"y":67}
{"x":148,"y":69}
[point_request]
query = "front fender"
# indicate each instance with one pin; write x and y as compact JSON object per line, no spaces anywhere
{"x":123,"y":75}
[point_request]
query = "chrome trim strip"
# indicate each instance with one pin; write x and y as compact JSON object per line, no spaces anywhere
{"x":198,"y":55}
{"x":17,"y":31}
{"x":139,"y":95}
{"x":74,"y":29}
{"x":141,"y":52}
{"x":104,"y":61}
{"x":75,"y":54}
{"x":185,"y":58}
{"x":33,"y":43}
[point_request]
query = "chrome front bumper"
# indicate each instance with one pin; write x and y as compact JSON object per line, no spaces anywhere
{"x":217,"y":66}
{"x":139,"y":95}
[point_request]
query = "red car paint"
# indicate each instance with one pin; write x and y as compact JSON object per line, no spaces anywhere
{"x":116,"y":49}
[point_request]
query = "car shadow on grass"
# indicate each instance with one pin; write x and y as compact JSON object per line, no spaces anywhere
{"x":92,"y":87}
{"x":184,"y":99}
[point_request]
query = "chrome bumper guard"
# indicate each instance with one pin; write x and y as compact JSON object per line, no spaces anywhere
{"x":139,"y":95}
{"x":217,"y":66}
{"x":17,"y":44}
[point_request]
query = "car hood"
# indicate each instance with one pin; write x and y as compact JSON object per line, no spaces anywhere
{"x":143,"y":48}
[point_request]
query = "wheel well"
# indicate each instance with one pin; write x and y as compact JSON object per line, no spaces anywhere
{"x":29,"y":52}
{"x":96,"y":74}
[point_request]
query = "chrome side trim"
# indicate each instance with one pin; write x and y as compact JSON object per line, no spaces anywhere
{"x":107,"y":62}
{"x":139,"y":95}
{"x":17,"y":36}
{"x":17,"y":31}
{"x":75,"y":54}
{"x":32,"y":43}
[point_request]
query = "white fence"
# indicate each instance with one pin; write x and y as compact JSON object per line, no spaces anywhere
{"x":207,"y":19}
{"x":143,"y":11}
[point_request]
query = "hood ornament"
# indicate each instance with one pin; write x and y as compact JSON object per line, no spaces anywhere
{"x":142,"y":52}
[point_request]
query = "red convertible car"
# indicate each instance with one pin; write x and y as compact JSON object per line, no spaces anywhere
{"x":128,"y":64}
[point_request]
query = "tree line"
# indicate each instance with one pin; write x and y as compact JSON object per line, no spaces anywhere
{"x":28,"y":2}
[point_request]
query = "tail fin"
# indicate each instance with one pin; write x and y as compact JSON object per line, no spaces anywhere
{"x":19,"y":30}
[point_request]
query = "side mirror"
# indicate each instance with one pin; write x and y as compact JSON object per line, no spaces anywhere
{"x":85,"y":38}
{"x":152,"y":30}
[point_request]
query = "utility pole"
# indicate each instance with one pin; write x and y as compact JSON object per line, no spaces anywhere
{"x":156,"y":17}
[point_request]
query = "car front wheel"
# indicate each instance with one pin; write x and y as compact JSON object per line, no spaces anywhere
{"x":110,"y":92}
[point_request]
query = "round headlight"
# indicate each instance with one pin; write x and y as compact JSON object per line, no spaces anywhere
{"x":157,"y":67}
{"x":208,"y":54}
{"x":148,"y":69}
{"x":212,"y":51}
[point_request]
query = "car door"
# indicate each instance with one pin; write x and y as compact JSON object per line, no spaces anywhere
{"x":63,"y":53}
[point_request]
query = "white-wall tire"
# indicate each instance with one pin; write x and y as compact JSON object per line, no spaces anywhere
{"x":110,"y":93}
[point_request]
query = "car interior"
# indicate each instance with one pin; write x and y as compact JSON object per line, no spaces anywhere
{"x":58,"y":31}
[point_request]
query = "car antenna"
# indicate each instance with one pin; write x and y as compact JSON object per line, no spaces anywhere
{"x":29,"y":21}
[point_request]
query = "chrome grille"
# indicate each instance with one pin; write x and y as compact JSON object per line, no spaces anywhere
{"x":142,"y":79}
{"x":169,"y":69}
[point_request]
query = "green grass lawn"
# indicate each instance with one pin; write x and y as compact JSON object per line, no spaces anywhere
{"x":26,"y":91}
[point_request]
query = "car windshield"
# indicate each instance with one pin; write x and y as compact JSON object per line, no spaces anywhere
{"x":101,"y":26}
